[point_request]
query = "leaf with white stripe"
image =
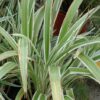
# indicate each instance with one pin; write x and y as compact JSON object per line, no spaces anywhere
{"x":6,"y":68}
{"x":55,"y":81}
{"x":23,"y":61}
{"x":90,"y":65}
{"x":47,"y":28}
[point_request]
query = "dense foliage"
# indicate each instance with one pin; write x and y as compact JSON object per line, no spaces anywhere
{"x":38,"y":65}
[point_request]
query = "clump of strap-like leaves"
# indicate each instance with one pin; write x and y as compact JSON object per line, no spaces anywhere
{"x":42,"y":70}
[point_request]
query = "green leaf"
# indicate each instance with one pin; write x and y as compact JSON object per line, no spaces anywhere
{"x":1,"y":97}
{"x":74,"y":73}
{"x":9,"y":39}
{"x":69,"y":17}
{"x":70,"y":95}
{"x":31,"y":9}
{"x":79,"y":71}
{"x":67,"y":97}
{"x":19,"y":95}
{"x":56,"y":8}
{"x":84,"y":42}
{"x":8,"y":83}
{"x":7,"y":54}
{"x":5,"y":95}
{"x":33,"y":46}
{"x":3,"y":48}
{"x":42,"y":97}
{"x":33,"y":77}
{"x":36,"y":95}
{"x":27,"y":17}
{"x":91,"y":66}
{"x":5,"y":18}
{"x":55,"y":81}
{"x":47,"y":28}
{"x":38,"y":22}
{"x":24,"y":16}
{"x":96,"y":57}
{"x":6,"y":68}
{"x":23,"y":61}
{"x":39,"y":96}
